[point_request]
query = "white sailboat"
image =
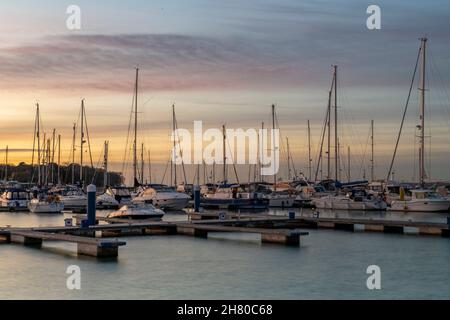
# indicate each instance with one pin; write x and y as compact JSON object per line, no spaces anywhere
{"x":422,"y":199}
{"x":51,"y":204}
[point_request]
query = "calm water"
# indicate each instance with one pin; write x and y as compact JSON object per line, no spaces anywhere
{"x":328,"y":265}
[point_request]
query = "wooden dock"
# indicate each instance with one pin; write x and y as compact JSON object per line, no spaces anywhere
{"x":85,"y":245}
{"x":274,"y":229}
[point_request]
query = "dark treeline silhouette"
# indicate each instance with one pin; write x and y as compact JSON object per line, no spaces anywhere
{"x":27,"y":173}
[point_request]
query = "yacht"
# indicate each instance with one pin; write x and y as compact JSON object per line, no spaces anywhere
{"x":14,"y":199}
{"x":136,"y":212}
{"x":106,"y":201}
{"x":163,"y":197}
{"x":120,"y":193}
{"x":232,"y":196}
{"x":71,"y":196}
{"x":354,"y":200}
{"x":422,"y":200}
{"x":49,"y":204}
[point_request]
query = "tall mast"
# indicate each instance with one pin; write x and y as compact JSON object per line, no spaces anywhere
{"x":348,"y":163}
{"x":262,"y":152}
{"x":149,"y":167}
{"x":309,"y":152}
{"x":422,"y":115}
{"x":105,"y":165}
{"x":59,"y":159}
{"x":336,"y":150}
{"x":6,"y":164}
{"x":329,"y":136}
{"x":289,"y":158}
{"x":372,"y":176}
{"x":53,"y":155}
{"x":39,"y":143}
{"x":273,"y":146}
{"x":47,"y":162}
{"x":142,"y":163}
{"x":73,"y":152}
{"x":224,"y":134}
{"x":81,"y":140}
{"x":173,"y":168}
{"x":135,"y":128}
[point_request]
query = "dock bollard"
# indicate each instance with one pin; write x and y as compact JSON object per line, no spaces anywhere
{"x":196,"y":199}
{"x":291,"y":215}
{"x":91,"y":199}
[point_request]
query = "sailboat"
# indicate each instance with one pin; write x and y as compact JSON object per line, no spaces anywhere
{"x":422,"y":199}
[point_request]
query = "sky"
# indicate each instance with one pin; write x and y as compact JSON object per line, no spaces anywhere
{"x":226,"y":62}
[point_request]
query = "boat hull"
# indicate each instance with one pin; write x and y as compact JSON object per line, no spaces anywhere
{"x":420,"y":205}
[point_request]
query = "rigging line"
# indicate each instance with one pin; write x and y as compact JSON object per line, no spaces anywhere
{"x":320,"y":149}
{"x":181,"y":150}
{"x":126,"y":153}
{"x":165,"y":170}
{"x":232,"y":161}
{"x":88,"y":139}
{"x":404,"y":114}
{"x":94,"y":176}
{"x":34,"y":146}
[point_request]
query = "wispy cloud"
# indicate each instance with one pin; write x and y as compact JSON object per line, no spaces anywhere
{"x":104,"y":62}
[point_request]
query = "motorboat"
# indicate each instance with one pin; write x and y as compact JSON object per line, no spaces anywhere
{"x":15,"y":199}
{"x":106,"y":201}
{"x":136,"y":212}
{"x":354,"y":200}
{"x":49,"y":204}
{"x":162,"y":196}
{"x":232,"y":196}
{"x":121,"y":194}
{"x":422,"y":200}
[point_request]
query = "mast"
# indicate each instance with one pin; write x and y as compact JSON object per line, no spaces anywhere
{"x":135,"y":128}
{"x":273,"y":146}
{"x":6,"y":164}
{"x":289,"y":158}
{"x":372,"y":176}
{"x":422,"y":115}
{"x":173,"y":168}
{"x":149,"y":167}
{"x":329,"y":135}
{"x":39,"y":143}
{"x":336,"y":151}
{"x":47,"y":172}
{"x":348,"y":164}
{"x":105,"y":165}
{"x":142,"y":163}
{"x":73,"y":152}
{"x":262,"y":152}
{"x":224,"y":154}
{"x":81,"y":140}
{"x":59,"y":159}
{"x":309,"y":152}
{"x":53,"y":155}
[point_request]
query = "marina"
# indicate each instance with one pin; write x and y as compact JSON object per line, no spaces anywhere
{"x":243,"y":151}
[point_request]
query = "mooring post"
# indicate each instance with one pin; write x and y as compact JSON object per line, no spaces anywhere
{"x":91,"y":199}
{"x":197,"y":198}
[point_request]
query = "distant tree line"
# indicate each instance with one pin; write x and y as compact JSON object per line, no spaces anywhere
{"x":26,"y":173}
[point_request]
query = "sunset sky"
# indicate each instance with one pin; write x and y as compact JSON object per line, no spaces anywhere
{"x":225,"y":62}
